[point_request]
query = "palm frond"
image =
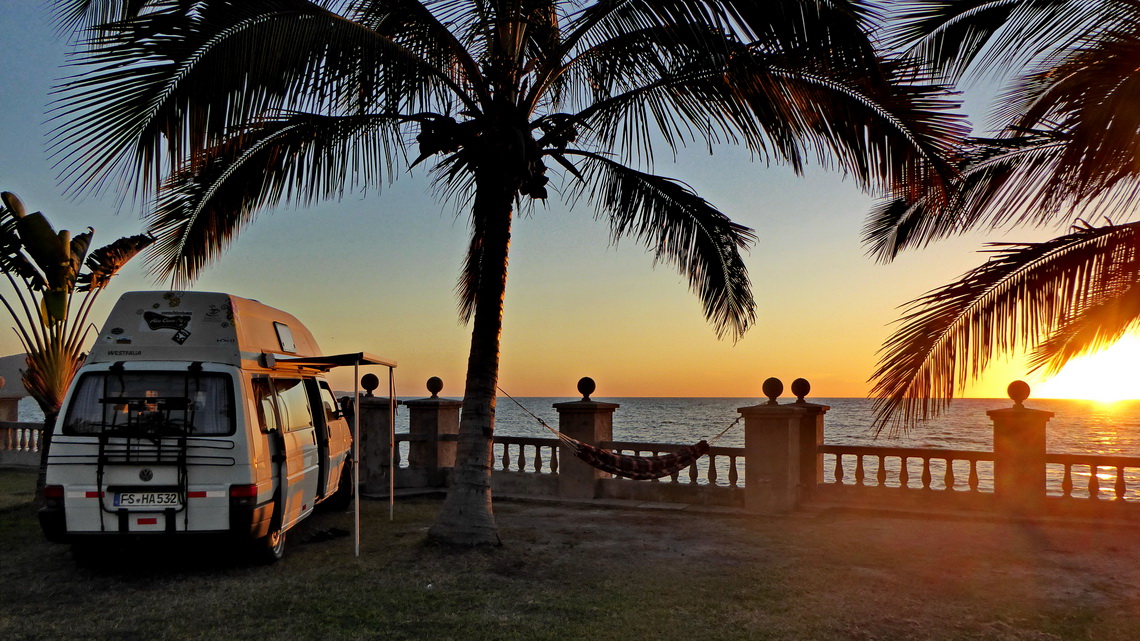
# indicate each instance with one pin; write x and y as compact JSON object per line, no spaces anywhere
{"x":1090,"y":94}
{"x":1099,"y":325}
{"x":429,"y":34}
{"x":1023,"y":295}
{"x":80,"y":15}
{"x":991,"y":36}
{"x":680,"y":228}
{"x":301,"y":158}
{"x":896,"y":133}
{"x":998,"y":183}
{"x":467,"y":287}
{"x":157,"y":91}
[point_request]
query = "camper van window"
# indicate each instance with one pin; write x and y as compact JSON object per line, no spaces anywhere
{"x":328,"y":400}
{"x":266,"y":404}
{"x":293,"y":404}
{"x":152,"y":403}
{"x":285,"y":337}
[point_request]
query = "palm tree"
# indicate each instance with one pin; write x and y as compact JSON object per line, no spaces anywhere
{"x":220,"y":109}
{"x":1067,"y":152}
{"x":45,"y":270}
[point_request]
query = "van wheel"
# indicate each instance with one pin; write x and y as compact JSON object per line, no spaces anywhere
{"x":272,"y":547}
{"x":341,"y":499}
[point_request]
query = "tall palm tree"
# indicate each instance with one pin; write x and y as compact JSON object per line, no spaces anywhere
{"x":1066,"y":152}
{"x":45,"y":269}
{"x":220,"y":109}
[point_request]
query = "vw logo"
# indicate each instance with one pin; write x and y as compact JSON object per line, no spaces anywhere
{"x":146,"y":475}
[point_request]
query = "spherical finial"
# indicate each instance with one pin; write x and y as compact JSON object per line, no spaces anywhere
{"x":586,"y":386}
{"x":772,"y":388}
{"x":800,"y":387}
{"x":1018,"y":391}
{"x":435,"y":386}
{"x":369,"y":382}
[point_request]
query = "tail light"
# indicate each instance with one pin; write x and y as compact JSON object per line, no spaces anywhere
{"x":243,"y":495}
{"x":53,"y":496}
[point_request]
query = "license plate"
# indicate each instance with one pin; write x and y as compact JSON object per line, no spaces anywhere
{"x":147,"y":499}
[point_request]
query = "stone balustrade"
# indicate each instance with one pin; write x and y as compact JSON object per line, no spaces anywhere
{"x":1089,"y":466}
{"x":784,"y":464}
{"x":791,"y":464}
{"x":526,"y":454}
{"x":937,"y":469}
{"x":20,"y":444}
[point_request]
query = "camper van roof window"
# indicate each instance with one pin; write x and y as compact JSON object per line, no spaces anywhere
{"x":285,"y":337}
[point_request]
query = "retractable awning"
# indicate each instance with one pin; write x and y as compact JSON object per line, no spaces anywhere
{"x":330,"y":361}
{"x":356,"y":359}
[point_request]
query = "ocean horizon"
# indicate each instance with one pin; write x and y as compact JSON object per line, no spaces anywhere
{"x":1077,"y":427}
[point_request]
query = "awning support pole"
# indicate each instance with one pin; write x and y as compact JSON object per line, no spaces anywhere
{"x":391,"y":444}
{"x":356,"y":455}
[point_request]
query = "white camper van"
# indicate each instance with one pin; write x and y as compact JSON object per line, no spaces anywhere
{"x":197,"y":413}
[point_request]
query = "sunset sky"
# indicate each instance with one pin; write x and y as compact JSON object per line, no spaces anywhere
{"x":377,"y":271}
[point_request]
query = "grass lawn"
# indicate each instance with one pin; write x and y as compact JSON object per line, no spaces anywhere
{"x":585,"y":573}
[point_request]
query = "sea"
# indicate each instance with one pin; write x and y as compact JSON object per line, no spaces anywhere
{"x":1077,"y":427}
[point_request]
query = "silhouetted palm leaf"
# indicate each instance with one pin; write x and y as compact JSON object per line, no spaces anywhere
{"x":300,"y":158}
{"x":682,"y":229}
{"x":1022,"y":296}
{"x":1098,"y":325}
{"x":1067,"y":148}
{"x":993,"y":37}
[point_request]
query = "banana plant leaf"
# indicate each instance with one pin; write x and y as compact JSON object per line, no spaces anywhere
{"x":50,"y":252}
{"x":105,"y":262}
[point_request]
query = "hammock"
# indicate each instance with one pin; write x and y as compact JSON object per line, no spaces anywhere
{"x":638,"y":468}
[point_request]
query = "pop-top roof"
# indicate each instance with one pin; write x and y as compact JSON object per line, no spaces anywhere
{"x":211,"y":327}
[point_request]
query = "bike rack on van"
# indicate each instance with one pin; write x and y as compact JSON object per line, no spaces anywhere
{"x":150,"y":435}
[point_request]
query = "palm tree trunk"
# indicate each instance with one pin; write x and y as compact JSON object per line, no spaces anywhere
{"x":467,"y":518}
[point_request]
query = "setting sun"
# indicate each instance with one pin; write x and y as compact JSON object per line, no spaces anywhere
{"x":1112,"y":374}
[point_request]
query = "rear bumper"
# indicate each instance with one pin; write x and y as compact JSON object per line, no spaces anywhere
{"x":245,"y":523}
{"x":251,"y":522}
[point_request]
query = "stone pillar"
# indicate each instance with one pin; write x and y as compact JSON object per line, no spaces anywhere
{"x":9,"y":409}
{"x":433,"y":427}
{"x":781,"y":462}
{"x":375,"y":430}
{"x":810,"y":438}
{"x":590,"y":422}
{"x":10,"y":406}
{"x":1019,"y":452}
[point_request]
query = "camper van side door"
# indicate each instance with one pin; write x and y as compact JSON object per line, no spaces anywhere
{"x":270,"y":424}
{"x":302,"y":457}
{"x":337,"y":439}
